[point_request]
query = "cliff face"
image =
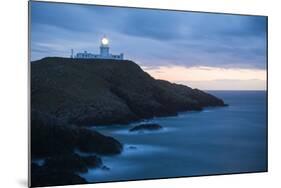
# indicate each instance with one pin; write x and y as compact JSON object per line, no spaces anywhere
{"x":88,"y":92}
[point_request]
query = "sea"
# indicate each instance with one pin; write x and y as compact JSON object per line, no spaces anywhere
{"x":217,"y":140}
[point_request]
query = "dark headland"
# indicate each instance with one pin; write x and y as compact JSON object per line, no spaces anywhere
{"x":69,"y":94}
{"x":99,"y":92}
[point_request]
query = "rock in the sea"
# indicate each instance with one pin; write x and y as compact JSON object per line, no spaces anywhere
{"x":146,"y":126}
{"x":105,"y":168}
{"x":132,"y":147}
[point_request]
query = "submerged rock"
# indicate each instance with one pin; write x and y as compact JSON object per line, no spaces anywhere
{"x":147,"y":126}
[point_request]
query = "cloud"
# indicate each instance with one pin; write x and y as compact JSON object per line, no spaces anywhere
{"x":152,"y":38}
{"x":157,"y":25}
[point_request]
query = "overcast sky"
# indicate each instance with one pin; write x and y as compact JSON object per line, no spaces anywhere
{"x":203,"y":50}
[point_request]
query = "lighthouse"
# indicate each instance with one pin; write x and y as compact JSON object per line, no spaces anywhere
{"x":104,"y":52}
{"x":104,"y":48}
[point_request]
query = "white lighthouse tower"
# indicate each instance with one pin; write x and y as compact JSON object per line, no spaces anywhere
{"x":104,"y":48}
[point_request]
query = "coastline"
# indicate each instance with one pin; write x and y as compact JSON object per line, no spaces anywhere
{"x":107,"y":93}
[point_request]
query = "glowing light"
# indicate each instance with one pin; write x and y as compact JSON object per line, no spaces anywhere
{"x":104,"y":41}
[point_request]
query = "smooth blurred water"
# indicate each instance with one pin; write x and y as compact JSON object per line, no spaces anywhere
{"x":215,"y":141}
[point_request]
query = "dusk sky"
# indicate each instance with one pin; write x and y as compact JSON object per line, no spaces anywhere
{"x":201,"y":50}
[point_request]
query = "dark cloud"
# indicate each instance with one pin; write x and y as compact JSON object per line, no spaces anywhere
{"x":152,"y":24}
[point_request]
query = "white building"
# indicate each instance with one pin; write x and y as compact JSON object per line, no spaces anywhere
{"x":104,"y":52}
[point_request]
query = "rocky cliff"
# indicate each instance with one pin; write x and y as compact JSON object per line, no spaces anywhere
{"x":99,"y":92}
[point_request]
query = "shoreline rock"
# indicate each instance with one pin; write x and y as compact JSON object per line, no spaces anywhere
{"x":56,"y":142}
{"x":72,"y":163}
{"x":51,"y":137}
{"x":44,"y":176}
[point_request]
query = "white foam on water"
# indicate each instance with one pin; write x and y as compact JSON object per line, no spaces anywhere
{"x":140,"y":132}
{"x":128,"y":149}
{"x":106,"y":127}
{"x":207,"y":111}
{"x":39,"y":162}
{"x":139,"y":149}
